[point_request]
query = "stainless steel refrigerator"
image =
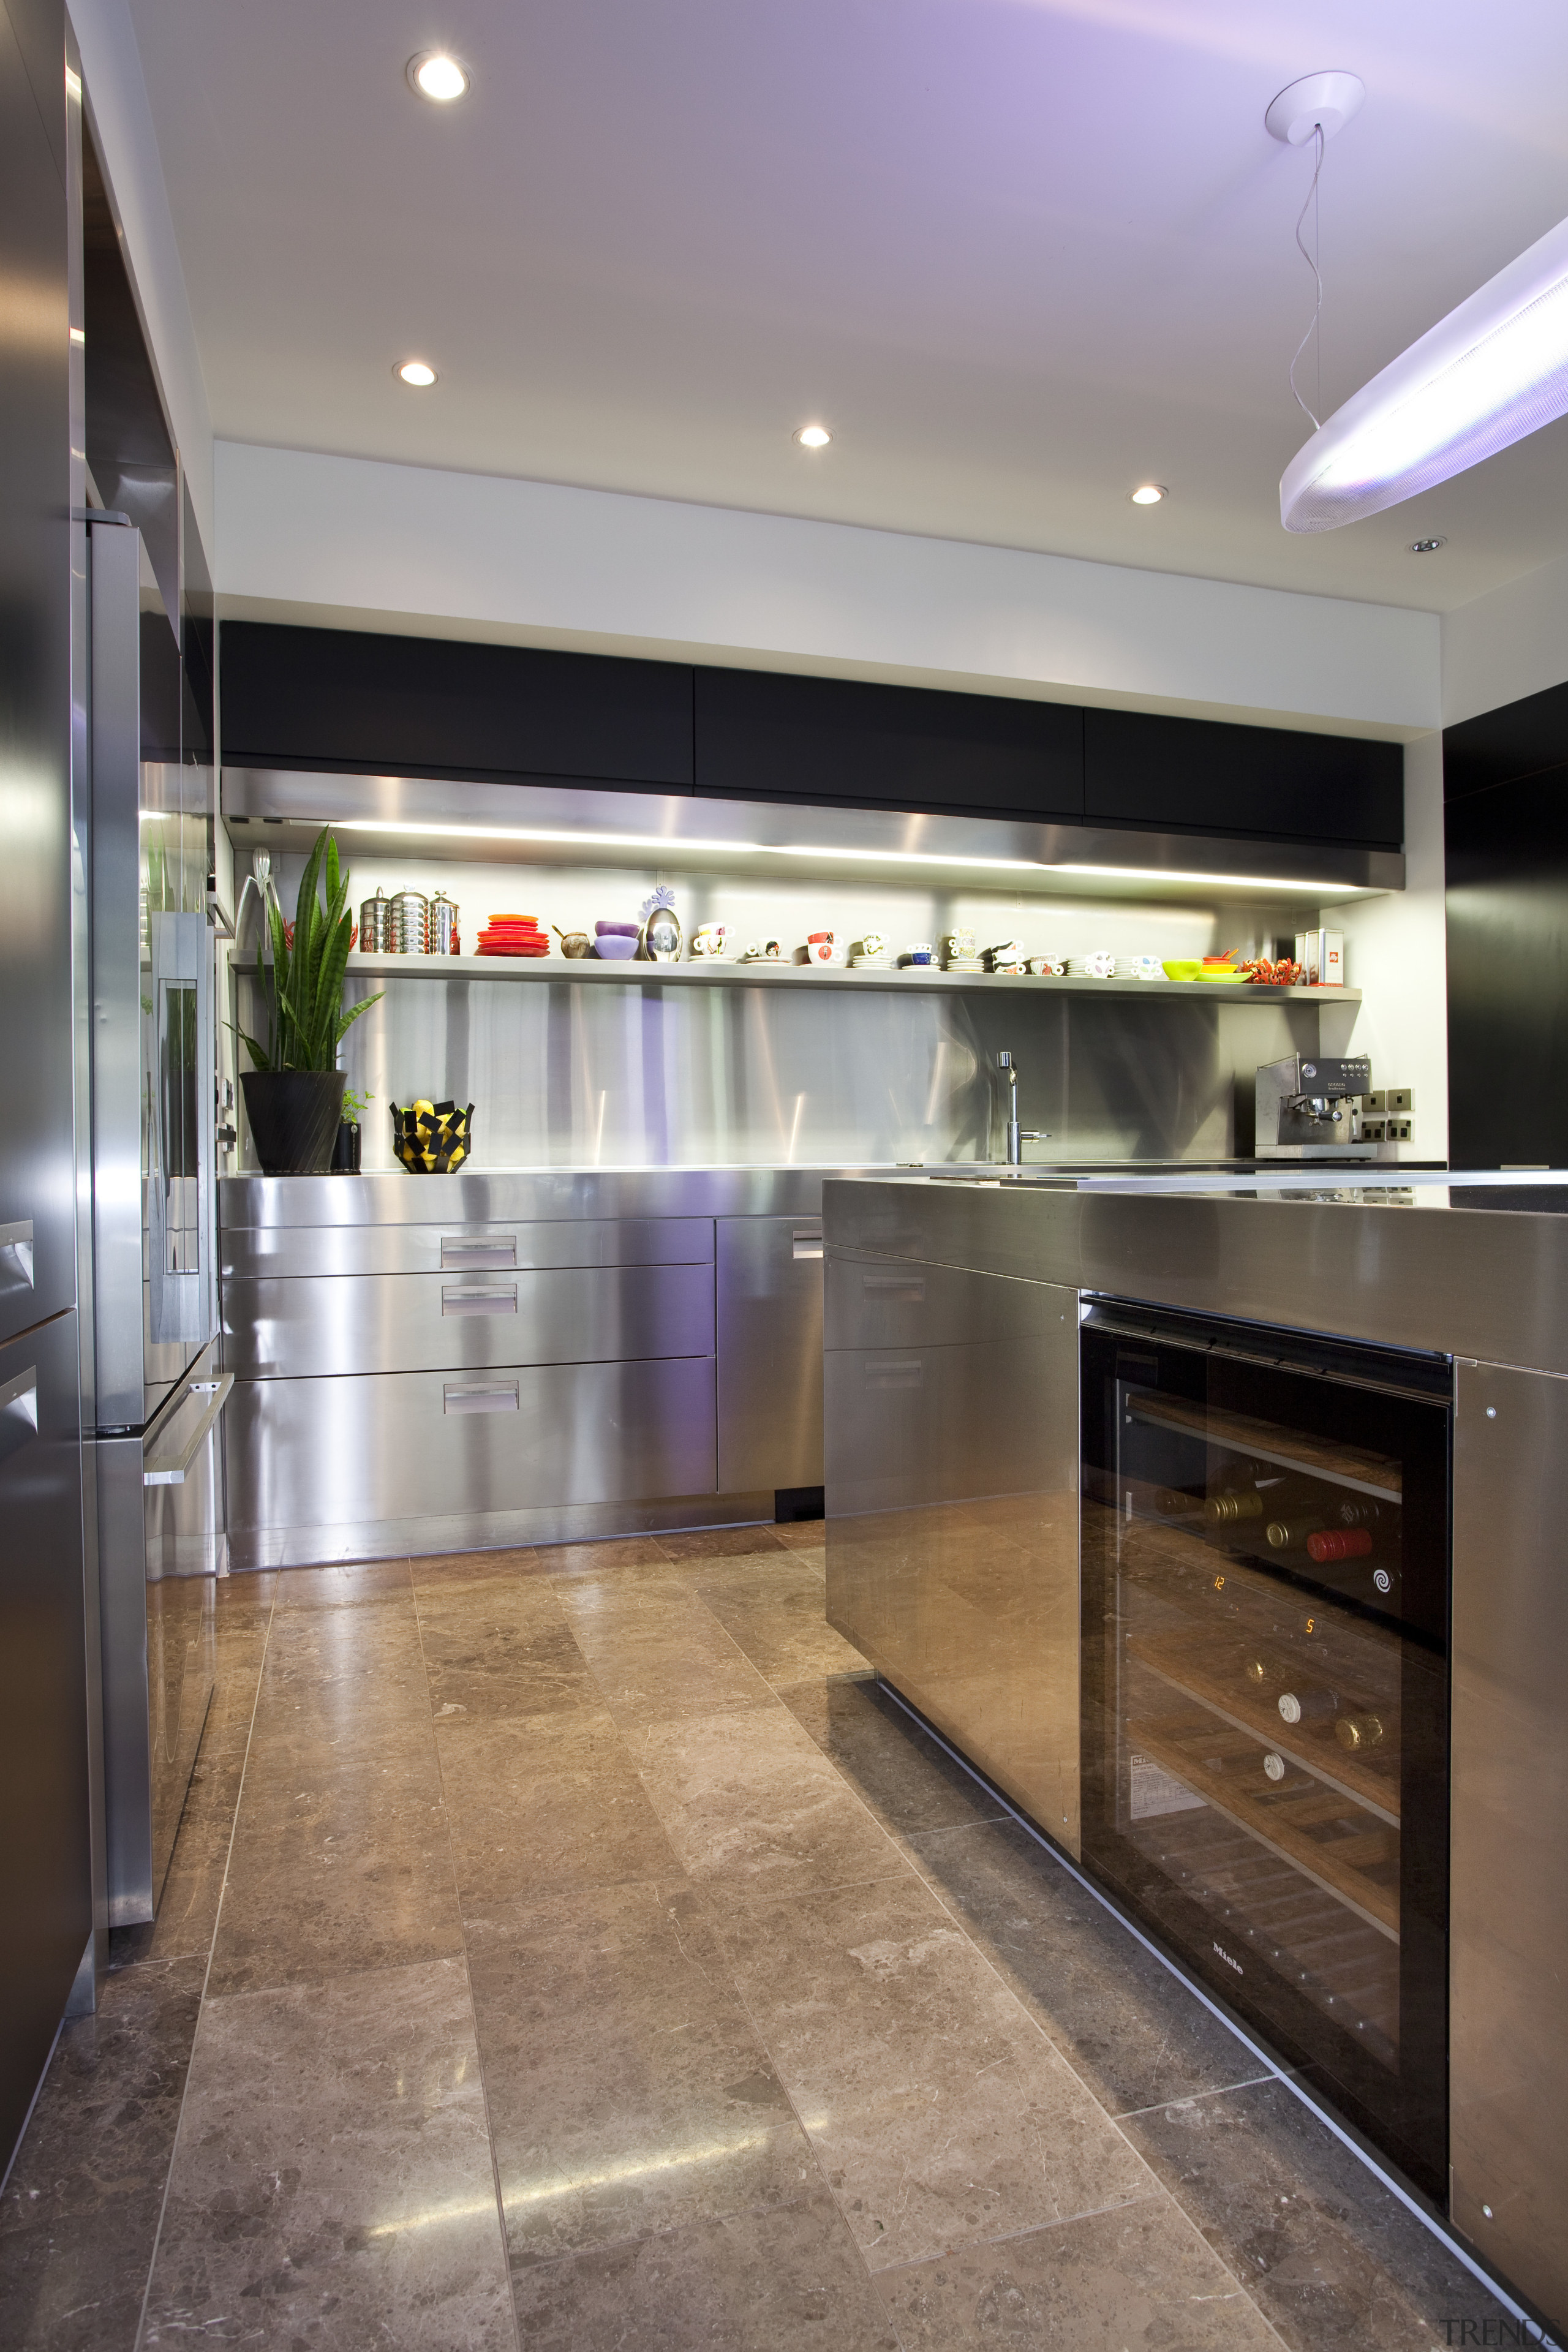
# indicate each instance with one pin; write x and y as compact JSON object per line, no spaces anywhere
{"x":45,"y":1910}
{"x":158,"y":1394}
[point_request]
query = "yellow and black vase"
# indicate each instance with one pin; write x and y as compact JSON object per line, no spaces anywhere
{"x":432,"y":1139}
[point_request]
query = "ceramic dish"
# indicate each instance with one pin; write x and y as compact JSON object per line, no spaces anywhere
{"x":614,"y":947}
{"x":1182,"y":968}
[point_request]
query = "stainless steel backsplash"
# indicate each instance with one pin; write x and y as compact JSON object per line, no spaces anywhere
{"x":596,"y":1075}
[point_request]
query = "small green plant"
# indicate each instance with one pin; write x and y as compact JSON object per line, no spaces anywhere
{"x":303,"y":985}
{"x":355,"y":1104}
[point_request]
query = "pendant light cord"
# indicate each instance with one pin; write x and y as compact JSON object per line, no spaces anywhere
{"x":1311,"y":261}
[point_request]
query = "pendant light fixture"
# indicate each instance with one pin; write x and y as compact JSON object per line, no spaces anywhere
{"x":1491,"y":372}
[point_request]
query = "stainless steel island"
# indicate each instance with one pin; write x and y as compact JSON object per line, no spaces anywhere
{"x":1039,"y":1535}
{"x":436,"y":1363}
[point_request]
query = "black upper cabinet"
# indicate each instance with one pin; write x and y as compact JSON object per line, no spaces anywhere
{"x":1203,"y":775}
{"x":1523,"y":739}
{"x":765,"y":735}
{"x":346,"y":699}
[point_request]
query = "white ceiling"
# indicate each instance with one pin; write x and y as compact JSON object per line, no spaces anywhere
{"x":1020,"y":254}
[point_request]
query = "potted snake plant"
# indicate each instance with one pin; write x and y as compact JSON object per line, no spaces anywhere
{"x":294,"y":1091}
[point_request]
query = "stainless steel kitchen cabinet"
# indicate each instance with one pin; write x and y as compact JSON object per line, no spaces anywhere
{"x":328,"y":1469}
{"x":461,"y":1247}
{"x":951,"y":1418}
{"x":1509,"y":1885}
{"x":769,"y":1282}
{"x":283,"y":1327}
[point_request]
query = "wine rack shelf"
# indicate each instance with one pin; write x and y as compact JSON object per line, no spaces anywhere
{"x":1187,"y":1664}
{"x":1298,"y":1818}
{"x":1343,"y":1466}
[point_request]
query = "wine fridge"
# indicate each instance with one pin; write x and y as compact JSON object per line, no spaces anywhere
{"x":1264,"y":1716}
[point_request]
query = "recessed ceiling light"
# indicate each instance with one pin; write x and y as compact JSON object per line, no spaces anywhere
{"x":415,"y":372}
{"x":813,"y":436}
{"x":436,"y":75}
{"x":1427,"y":546}
{"x":1149,"y":494}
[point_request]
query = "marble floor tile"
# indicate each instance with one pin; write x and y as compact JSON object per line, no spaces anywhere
{"x":341,"y":1681}
{"x":338,"y":1584}
{"x":76,"y":2284}
{"x":618,"y":1557}
{"x":786,"y":2279}
{"x":188,"y":1906}
{"x":716,"y":1543}
{"x":542,"y":1804}
{"x":1329,"y":2255}
{"x":776,"y":1617}
{"x":940,"y":2112}
{"x":80,"y":2216}
{"x":238,"y":1653}
{"x":1127,"y":2026}
{"x":802,"y":1535}
{"x":469,"y":1566}
{"x":105,"y":2119}
{"x":752,"y":1808}
{"x":501,"y":1647}
{"x":332,"y":2184}
{"x":1136,"y":2280}
{"x":338,"y":1867}
{"x":626,"y":2088}
{"x":656,"y":1654}
{"x":893,"y":1766}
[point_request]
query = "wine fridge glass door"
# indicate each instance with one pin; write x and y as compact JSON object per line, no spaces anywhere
{"x":1265,"y":1575}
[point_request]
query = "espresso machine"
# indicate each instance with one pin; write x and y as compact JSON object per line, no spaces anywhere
{"x":1310,"y":1109}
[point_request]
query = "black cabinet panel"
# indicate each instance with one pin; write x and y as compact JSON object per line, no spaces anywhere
{"x":765,"y":735}
{"x":1203,"y":775}
{"x":1507,"y":864}
{"x":1521,"y":740}
{"x":346,"y":699}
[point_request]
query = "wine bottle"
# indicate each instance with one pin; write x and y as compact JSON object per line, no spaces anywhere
{"x":1224,"y":1510}
{"x":1274,"y":1766}
{"x":1289,"y":1534}
{"x":1355,"y":1732}
{"x":1170,"y":1503}
{"x":1307,"y":1702}
{"x":1338,"y":1543}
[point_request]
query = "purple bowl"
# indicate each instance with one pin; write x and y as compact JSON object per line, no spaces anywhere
{"x":614,"y":947}
{"x":618,"y":930}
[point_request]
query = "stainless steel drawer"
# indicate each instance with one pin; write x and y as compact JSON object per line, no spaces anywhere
{"x":769,"y":1286}
{"x":286,"y":1328}
{"x":885,"y":1303}
{"x":456,"y":1247}
{"x":409,"y":1445}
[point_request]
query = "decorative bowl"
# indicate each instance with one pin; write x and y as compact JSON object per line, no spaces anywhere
{"x":614,"y":947}
{"x":1182,"y":968}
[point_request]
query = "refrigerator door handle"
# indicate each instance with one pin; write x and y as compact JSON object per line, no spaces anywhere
{"x":18,"y":1412}
{"x":166,"y":1467}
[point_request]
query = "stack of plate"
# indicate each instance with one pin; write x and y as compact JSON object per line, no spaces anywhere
{"x":962,"y":963}
{"x":1100,"y":966}
{"x":514,"y":935}
{"x":860,"y":961}
{"x":1140,"y":968}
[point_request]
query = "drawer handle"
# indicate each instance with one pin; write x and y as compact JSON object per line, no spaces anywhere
{"x":909,"y":1286}
{"x":17,"y":1244}
{"x":808,"y":1245}
{"x":18,"y":1412}
{"x":479,"y":1298}
{"x":170,"y":1465}
{"x":905,"y":1375}
{"x":473,"y":1396}
{"x":460,"y":1250}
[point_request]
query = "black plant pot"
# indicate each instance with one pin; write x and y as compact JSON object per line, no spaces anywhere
{"x":294,"y":1118}
{"x":345,"y":1151}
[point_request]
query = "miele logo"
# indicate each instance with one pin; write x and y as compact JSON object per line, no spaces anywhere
{"x":1225,"y":1956}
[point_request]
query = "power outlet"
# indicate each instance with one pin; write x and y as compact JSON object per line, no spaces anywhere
{"x":1397,"y":1131}
{"x":1399,"y":1098}
{"x":1376,"y":1101}
{"x":1372,"y":1131}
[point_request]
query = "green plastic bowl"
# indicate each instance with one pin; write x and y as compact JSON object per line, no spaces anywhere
{"x":1182,"y":968}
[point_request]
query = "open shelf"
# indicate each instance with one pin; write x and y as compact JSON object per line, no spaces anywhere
{"x":1288,"y":1449}
{"x":1305,"y":1823}
{"x":718,"y":974}
{"x":1187,"y":1662}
